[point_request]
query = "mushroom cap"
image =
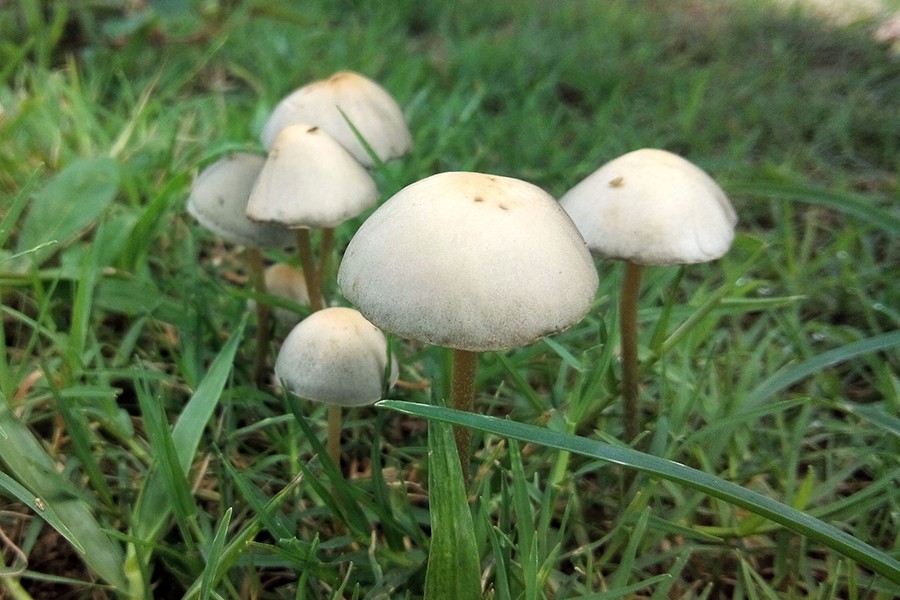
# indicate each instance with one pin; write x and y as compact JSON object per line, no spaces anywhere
{"x":469,"y":261}
{"x":652,"y":207}
{"x":309,"y":180}
{"x":287,"y":282}
{"x":335,"y":356}
{"x":371,"y":109}
{"x":219,"y":197}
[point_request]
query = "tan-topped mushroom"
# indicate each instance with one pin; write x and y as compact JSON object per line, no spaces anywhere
{"x":331,"y":103}
{"x":337,"y":357}
{"x":310,"y":181}
{"x":472,"y":262}
{"x":649,"y":207}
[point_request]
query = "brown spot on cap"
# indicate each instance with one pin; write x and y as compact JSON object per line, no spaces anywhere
{"x":617,"y":182}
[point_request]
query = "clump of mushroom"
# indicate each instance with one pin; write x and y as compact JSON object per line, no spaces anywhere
{"x":337,"y":357}
{"x":321,"y":138}
{"x":472,"y":262}
{"x":648,"y":207}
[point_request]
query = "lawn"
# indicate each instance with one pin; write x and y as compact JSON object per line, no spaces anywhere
{"x":139,"y":458}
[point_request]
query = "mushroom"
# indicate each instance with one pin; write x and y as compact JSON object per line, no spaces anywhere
{"x":648,"y":207}
{"x":358,"y":113}
{"x":345,"y":101}
{"x":472,"y":262}
{"x":218,"y":200}
{"x":337,"y":357}
{"x":309,"y":180}
{"x":286,"y":282}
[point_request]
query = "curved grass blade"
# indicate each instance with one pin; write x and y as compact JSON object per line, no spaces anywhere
{"x":792,"y":519}
{"x":214,"y":557}
{"x":794,"y":373}
{"x":52,"y":498}
{"x":154,"y":502}
{"x":860,"y":207}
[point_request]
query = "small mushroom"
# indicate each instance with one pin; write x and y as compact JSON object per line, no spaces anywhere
{"x":337,"y":357}
{"x":218,"y":200}
{"x":471,"y":262}
{"x":309,"y":180}
{"x":331,"y":103}
{"x":649,"y":207}
{"x":286,"y":282}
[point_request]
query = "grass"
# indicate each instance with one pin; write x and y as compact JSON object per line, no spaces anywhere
{"x":129,"y":425}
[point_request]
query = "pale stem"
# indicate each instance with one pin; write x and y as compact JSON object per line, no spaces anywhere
{"x":310,"y":270}
{"x":462,"y":397}
{"x":334,"y":434}
{"x":628,"y":305}
{"x":263,"y":316}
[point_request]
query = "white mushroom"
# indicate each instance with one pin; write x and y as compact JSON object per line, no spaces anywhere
{"x":648,"y":207}
{"x":331,"y":103}
{"x":286,"y":282}
{"x":652,"y":207}
{"x":471,"y":262}
{"x":218,"y":200}
{"x":337,"y":357}
{"x":309,"y":180}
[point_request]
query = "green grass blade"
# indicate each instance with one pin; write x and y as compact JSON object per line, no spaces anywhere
{"x":874,"y":414}
{"x":214,"y":556}
{"x":23,"y":456}
{"x":14,"y":210}
{"x":792,"y":519}
{"x":454,"y":572}
{"x":625,"y":591}
{"x":154,"y":503}
{"x":794,"y":373}
{"x":854,"y":205}
{"x":68,"y":204}
{"x":165,"y":463}
{"x":83,"y":441}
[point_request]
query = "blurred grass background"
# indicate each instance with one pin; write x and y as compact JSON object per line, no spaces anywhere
{"x":798,"y":121}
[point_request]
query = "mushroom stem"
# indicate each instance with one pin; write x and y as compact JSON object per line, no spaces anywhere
{"x":310,"y":270}
{"x":334,"y":434}
{"x":628,"y":303}
{"x":263,"y":315}
{"x":462,"y":397}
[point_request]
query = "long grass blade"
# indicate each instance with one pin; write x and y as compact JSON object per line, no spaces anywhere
{"x":813,"y":528}
{"x":154,"y":502}
{"x":454,"y":572}
{"x":794,"y":373}
{"x":51,"y":495}
{"x":854,"y":205}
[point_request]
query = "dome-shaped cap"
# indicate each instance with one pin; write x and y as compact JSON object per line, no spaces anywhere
{"x":309,"y":180}
{"x":286,"y":282}
{"x":335,"y":356}
{"x":219,"y":197}
{"x":652,"y":207}
{"x":469,"y":261}
{"x":371,"y":109}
